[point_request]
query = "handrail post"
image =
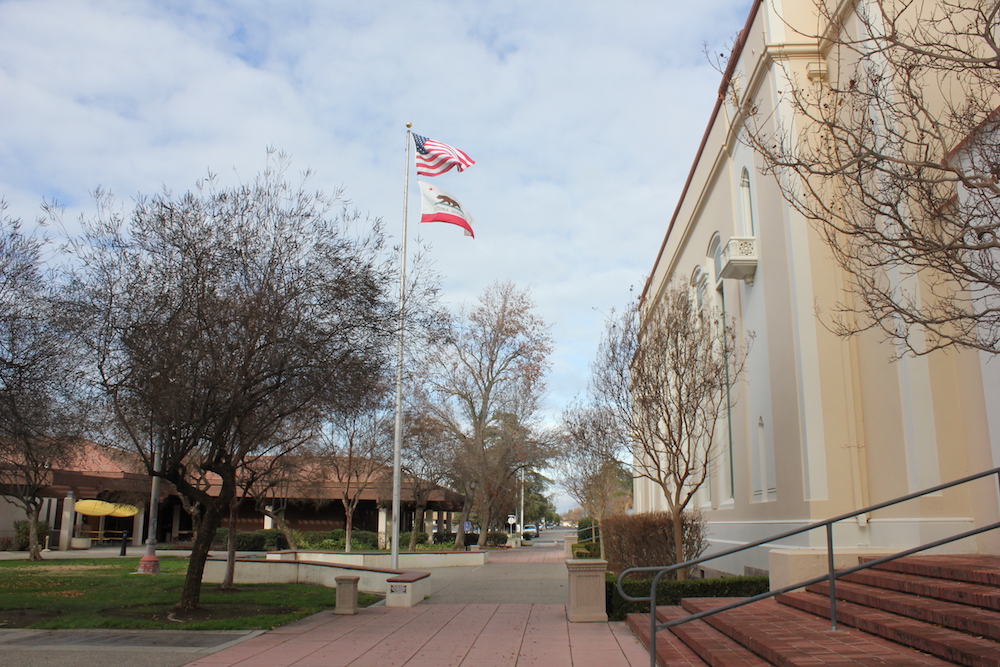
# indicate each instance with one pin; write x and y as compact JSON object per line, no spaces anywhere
{"x":652,"y":617}
{"x":833,"y":578}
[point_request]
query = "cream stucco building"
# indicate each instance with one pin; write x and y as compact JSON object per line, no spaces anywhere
{"x":823,"y":425}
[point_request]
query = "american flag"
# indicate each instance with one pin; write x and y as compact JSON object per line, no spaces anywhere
{"x":434,"y":158}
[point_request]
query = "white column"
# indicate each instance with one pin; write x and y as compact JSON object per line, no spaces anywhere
{"x":68,"y":519}
{"x":138,"y":523}
{"x":383,"y":523}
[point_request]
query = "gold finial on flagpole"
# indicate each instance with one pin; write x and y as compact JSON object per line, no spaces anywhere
{"x":408,"y":125}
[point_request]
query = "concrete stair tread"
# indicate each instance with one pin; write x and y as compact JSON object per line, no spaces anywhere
{"x":951,"y":645}
{"x":785,"y":636}
{"x":960,"y":617}
{"x":961,"y":592}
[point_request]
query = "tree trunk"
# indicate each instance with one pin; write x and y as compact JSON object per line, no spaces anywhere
{"x":418,"y":520}
{"x":484,"y":532}
{"x":679,"y":541}
{"x":348,"y":526}
{"x":279,"y":522}
{"x":600,"y":533}
{"x":463,"y":517}
{"x":210,"y":519}
{"x":34,"y":548}
{"x":227,"y":581}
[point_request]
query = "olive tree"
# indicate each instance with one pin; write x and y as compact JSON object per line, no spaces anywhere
{"x":37,"y":376}
{"x":222,"y":316}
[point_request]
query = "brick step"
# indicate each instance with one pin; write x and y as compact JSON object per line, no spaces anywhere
{"x":971,"y":620}
{"x":952,"y":645}
{"x":787,"y":637}
{"x":670,"y":651}
{"x":715,"y":648}
{"x":960,"y":592}
{"x":971,"y":568}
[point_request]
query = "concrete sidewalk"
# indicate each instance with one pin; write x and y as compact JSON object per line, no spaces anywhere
{"x":508,"y":612}
{"x":442,"y":635}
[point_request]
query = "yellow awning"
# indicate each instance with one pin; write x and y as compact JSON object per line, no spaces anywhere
{"x":102,"y":508}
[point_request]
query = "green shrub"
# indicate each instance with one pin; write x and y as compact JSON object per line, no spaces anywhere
{"x":314,"y":537}
{"x":496,"y":538}
{"x":671,"y":591}
{"x":21,"y":534}
{"x":6,"y":543}
{"x":583,"y":529}
{"x":364,"y":539}
{"x":329,"y":545}
{"x":404,"y":539}
{"x":251,"y":541}
{"x":221,"y":536}
{"x":587,"y":550}
{"x":444,"y":538}
{"x":339,"y":534}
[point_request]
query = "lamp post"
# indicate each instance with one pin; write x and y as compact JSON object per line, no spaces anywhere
{"x":150,"y":564}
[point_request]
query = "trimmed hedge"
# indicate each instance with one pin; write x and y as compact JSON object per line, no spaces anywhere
{"x":253,"y":540}
{"x":587,"y":550}
{"x":671,"y":591}
{"x":647,"y":539}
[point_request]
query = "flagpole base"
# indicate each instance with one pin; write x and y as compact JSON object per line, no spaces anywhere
{"x":149,"y":564}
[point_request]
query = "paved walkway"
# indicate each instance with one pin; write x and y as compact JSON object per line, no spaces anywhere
{"x":442,"y":635}
{"x":508,"y":612}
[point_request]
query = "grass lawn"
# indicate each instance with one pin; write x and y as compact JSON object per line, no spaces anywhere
{"x":104,"y":593}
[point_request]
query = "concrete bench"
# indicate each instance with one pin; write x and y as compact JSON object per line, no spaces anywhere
{"x":407,"y":589}
{"x":410,"y":586}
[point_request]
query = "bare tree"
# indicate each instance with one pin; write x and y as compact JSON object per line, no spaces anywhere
{"x":356,"y":449}
{"x":273,"y":465}
{"x":485,"y":386}
{"x":665,"y":376}
{"x":36,"y":376}
{"x":590,"y":471}
{"x":895,"y":157}
{"x":425,"y":464}
{"x":222,"y":316}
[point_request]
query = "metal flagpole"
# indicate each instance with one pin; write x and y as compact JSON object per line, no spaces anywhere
{"x":397,"y":448}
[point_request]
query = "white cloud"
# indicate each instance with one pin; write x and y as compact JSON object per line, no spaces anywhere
{"x":583,"y":117}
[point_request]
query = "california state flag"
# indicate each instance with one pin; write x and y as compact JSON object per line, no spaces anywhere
{"x":436,"y":205}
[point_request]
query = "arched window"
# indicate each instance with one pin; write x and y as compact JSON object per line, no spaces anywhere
{"x":715,"y":256}
{"x":698,"y":282}
{"x":747,"y":223}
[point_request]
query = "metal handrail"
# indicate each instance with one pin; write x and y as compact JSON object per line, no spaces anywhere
{"x":832,"y":575}
{"x":594,"y":534}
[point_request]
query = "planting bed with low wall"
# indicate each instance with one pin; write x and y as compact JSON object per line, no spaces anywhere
{"x":402,"y":588}
{"x":414,"y":560}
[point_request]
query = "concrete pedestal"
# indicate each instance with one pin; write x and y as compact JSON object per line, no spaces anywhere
{"x":347,"y":595}
{"x":586,"y":591}
{"x":568,"y":542}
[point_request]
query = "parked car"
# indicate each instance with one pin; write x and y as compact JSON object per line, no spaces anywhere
{"x":530,"y":531}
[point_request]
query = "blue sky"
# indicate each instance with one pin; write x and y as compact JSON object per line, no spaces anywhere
{"x":583,"y":117}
